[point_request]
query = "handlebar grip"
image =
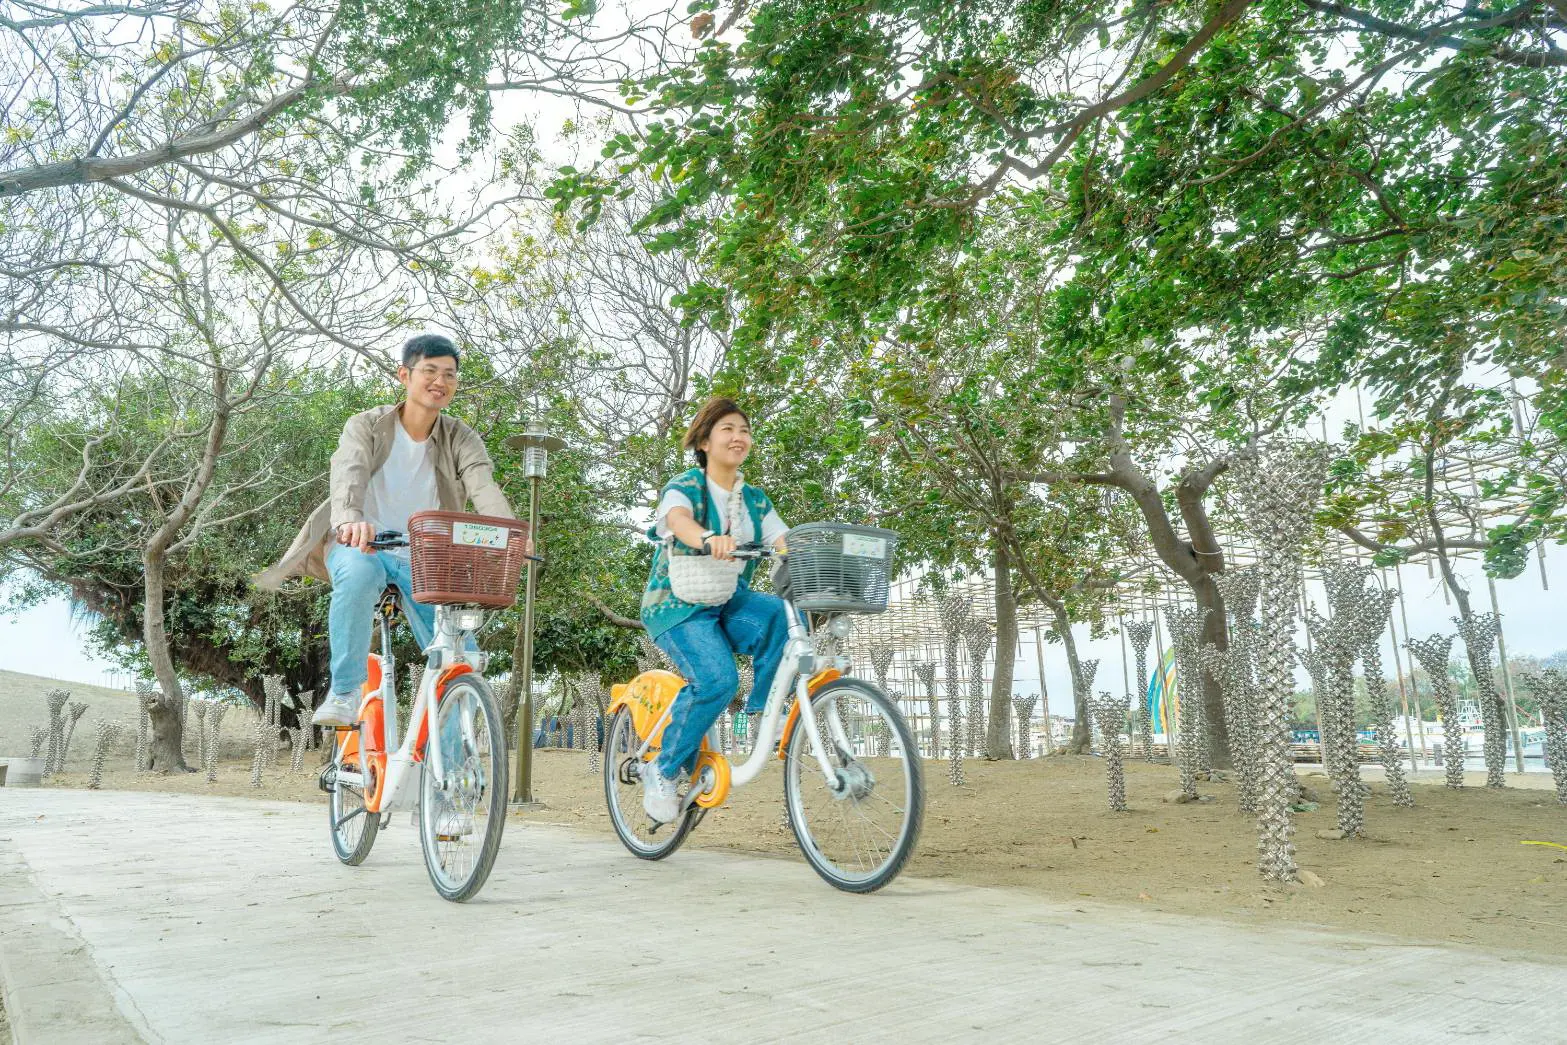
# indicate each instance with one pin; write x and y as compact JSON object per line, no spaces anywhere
{"x":749,"y":550}
{"x":389,"y":539}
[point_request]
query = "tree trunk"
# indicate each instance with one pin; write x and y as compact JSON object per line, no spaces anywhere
{"x":511,"y":696}
{"x":1082,"y":729}
{"x":1215,"y":632}
{"x":1196,"y":559}
{"x":165,"y":754}
{"x":167,"y":727}
{"x":1197,"y":567}
{"x":998,"y":734}
{"x":1082,"y":741}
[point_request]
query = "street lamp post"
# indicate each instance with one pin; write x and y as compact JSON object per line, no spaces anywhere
{"x":535,"y":444}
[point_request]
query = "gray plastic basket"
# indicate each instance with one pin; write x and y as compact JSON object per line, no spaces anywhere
{"x":840,"y":568}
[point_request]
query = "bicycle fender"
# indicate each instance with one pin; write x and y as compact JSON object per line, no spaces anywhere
{"x":440,"y":688}
{"x":646,"y":697}
{"x":818,"y":680}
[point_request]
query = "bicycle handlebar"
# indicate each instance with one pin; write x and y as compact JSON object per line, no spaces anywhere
{"x":753,"y":550}
{"x":399,"y":539}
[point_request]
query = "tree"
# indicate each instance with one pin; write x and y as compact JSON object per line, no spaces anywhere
{"x":1209,"y":215}
{"x":47,"y":485}
{"x":112,"y":94}
{"x":851,"y":144}
{"x":1239,"y":214}
{"x":942,"y":455}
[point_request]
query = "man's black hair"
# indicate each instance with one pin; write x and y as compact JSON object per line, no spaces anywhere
{"x":429,"y":346}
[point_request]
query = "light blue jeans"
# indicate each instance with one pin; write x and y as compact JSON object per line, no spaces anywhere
{"x":357,"y":582}
{"x":703,"y":647}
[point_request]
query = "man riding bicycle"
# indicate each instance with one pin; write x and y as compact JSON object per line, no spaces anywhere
{"x":390,"y":462}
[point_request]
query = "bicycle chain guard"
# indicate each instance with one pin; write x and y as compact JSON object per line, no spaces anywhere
{"x":715,"y":795}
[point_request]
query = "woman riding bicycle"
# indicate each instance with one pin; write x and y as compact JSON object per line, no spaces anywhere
{"x":711,"y":508}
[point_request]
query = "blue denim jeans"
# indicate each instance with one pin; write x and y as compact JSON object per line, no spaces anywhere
{"x":703,"y":647}
{"x":357,"y":582}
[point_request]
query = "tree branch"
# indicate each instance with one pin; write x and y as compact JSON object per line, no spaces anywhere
{"x":1435,"y":35}
{"x":86,"y":170}
{"x":610,"y":615}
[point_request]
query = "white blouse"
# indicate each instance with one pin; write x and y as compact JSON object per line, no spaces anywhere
{"x":773,"y":527}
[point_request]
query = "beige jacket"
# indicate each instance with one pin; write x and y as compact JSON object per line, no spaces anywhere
{"x":463,"y":473}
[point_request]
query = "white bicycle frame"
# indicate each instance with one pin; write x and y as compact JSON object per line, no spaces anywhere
{"x":797,"y":652}
{"x":447,"y":648}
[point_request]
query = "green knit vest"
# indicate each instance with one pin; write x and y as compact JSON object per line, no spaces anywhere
{"x":660,"y":609}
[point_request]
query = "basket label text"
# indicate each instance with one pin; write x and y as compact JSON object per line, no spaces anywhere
{"x":478,"y":535}
{"x":863,"y":547}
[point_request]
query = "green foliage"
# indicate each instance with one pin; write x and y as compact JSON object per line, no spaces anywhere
{"x":223,"y":632}
{"x":417,"y":64}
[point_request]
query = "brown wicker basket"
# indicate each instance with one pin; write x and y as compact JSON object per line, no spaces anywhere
{"x":462,"y":559}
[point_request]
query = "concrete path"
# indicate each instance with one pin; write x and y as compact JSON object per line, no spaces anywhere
{"x":170,"y":918}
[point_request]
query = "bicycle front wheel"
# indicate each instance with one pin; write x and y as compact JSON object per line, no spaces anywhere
{"x":462,"y":815}
{"x":858,"y":830}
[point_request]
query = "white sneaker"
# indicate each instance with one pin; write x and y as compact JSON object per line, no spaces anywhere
{"x":340,"y":709}
{"x":660,"y":800}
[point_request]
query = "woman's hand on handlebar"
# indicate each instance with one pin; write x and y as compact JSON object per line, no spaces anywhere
{"x":357,"y":535}
{"x":721,"y":546}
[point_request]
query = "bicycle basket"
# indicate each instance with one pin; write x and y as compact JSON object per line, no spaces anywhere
{"x":840,"y":568}
{"x":457,"y":558}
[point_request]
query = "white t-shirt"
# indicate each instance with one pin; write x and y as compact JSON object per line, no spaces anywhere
{"x":404,"y":485}
{"x":772,"y":526}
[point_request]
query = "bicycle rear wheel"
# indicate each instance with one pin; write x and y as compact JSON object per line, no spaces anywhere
{"x":353,"y":827}
{"x":462,"y":816}
{"x":623,"y":794}
{"x":858,"y":832}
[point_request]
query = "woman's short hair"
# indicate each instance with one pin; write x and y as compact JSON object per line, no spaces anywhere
{"x":706,"y":419}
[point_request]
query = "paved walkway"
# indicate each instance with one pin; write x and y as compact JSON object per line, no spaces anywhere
{"x":131,"y":917}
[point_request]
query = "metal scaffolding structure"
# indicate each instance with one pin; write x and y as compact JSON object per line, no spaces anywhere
{"x":913,"y":625}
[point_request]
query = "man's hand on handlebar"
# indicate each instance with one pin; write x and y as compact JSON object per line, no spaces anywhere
{"x":357,"y":535}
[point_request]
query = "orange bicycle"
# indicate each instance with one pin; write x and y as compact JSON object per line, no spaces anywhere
{"x":465,"y":565}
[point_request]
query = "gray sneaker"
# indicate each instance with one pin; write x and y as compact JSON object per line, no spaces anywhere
{"x":660,"y":798}
{"x":340,"y":709}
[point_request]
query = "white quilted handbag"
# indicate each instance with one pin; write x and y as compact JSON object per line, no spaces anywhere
{"x":701,"y":579}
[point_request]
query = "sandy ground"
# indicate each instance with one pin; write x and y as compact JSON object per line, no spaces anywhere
{"x":1451,"y":869}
